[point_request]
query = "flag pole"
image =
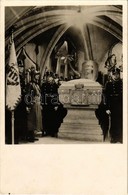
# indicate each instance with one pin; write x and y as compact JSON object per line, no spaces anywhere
{"x":12,"y":126}
{"x":13,"y":133}
{"x":13,"y":88}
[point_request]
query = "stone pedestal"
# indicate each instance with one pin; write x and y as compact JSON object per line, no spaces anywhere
{"x":81,"y":97}
{"x":81,"y":124}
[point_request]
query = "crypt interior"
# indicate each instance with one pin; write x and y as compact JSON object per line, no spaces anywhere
{"x":59,"y":39}
{"x":91,"y":32}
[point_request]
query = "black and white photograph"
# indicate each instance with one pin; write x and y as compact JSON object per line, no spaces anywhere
{"x":65,"y":97}
{"x":64,"y":74}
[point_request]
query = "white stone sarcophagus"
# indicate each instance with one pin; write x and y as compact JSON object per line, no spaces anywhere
{"x":82,"y":92}
{"x":81,"y":97}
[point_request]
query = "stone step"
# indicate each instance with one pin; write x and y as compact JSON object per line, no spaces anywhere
{"x":73,"y":126}
{"x":83,"y":137}
{"x":82,"y":117}
{"x":81,"y":124}
{"x":81,"y":131}
{"x":80,"y":121}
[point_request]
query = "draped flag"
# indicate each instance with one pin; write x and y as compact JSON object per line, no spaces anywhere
{"x":13,"y":88}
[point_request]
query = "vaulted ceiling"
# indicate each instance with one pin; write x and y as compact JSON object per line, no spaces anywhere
{"x":50,"y":23}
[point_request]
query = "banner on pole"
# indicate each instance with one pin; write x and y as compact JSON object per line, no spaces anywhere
{"x":13,"y":88}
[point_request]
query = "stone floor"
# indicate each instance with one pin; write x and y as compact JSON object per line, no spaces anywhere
{"x":52,"y":140}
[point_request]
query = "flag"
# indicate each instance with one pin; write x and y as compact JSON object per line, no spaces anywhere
{"x":13,"y":88}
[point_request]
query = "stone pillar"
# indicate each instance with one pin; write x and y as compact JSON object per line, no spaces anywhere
{"x":58,"y":66}
{"x":48,"y":65}
{"x":66,"y":70}
{"x":80,"y":60}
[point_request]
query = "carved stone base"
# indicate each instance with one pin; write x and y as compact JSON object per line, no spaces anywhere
{"x":81,"y":124}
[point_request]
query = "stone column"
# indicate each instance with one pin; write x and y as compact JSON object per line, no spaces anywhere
{"x":80,"y":60}
{"x":58,"y":66}
{"x":66,"y":70}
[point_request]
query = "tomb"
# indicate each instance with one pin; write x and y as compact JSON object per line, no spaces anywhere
{"x":81,"y":97}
